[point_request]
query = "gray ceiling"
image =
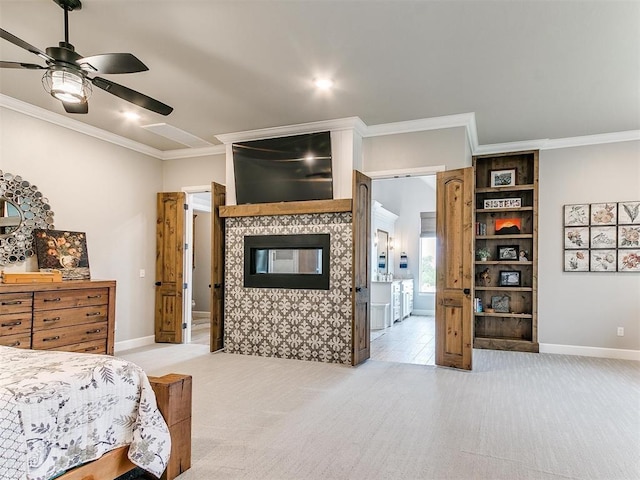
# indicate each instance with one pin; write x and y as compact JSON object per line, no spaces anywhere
{"x":528,"y":69}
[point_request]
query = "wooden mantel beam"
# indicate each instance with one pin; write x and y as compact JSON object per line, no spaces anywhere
{"x":287,"y":208}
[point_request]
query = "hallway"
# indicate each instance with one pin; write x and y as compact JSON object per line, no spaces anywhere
{"x":409,"y":341}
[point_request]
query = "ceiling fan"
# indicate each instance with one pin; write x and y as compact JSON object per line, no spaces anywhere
{"x":67,"y":72}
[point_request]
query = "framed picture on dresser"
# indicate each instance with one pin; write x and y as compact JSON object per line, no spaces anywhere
{"x":63,"y":250}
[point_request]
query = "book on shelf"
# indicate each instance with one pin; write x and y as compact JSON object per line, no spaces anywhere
{"x":481,"y":228}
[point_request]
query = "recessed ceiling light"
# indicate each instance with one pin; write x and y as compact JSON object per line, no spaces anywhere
{"x":131,"y":116}
{"x":323,"y":83}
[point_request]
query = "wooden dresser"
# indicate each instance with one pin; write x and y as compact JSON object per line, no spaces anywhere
{"x":74,"y":315}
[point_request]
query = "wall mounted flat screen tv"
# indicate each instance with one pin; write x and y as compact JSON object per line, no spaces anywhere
{"x":284,"y":169}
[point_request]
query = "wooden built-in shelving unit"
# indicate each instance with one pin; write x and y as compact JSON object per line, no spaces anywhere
{"x":516,"y":329}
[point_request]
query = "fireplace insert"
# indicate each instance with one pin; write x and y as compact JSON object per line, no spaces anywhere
{"x":287,"y":261}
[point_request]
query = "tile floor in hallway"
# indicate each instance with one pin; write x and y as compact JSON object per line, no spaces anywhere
{"x":409,"y":341}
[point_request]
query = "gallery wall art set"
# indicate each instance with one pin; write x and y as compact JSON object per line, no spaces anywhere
{"x":602,"y":237}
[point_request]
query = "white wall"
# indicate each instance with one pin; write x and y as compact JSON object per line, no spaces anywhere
{"x":99,"y":188}
{"x":407,"y":197}
{"x":202,"y":270}
{"x":192,"y":172}
{"x":415,"y":150}
{"x":585,"y":309}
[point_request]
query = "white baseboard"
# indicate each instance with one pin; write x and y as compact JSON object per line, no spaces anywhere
{"x":426,"y":313}
{"x":599,"y":352}
{"x":134,"y":343}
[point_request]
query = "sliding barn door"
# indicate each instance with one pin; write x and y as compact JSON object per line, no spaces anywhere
{"x":218,"y":199}
{"x":169,"y":267}
{"x":361,"y":281}
{"x":454,"y":268}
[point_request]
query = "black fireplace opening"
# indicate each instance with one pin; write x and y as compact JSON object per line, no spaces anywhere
{"x":287,"y":261}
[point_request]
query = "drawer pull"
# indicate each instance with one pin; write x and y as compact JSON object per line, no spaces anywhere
{"x":52,"y":299}
{"x":15,"y":344}
{"x":15,"y":302}
{"x":54,"y":319}
{"x":12,"y":324}
{"x":51,"y":339}
{"x":97,"y":330}
{"x":93,"y":314}
{"x":91,"y":349}
{"x":94,"y":296}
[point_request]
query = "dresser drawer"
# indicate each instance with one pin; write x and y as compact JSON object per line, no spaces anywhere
{"x":20,"y":340}
{"x":15,"y":302}
{"x":70,"y":298}
{"x":71,"y":335}
{"x":15,"y":323}
{"x":95,"y":346}
{"x":67,"y":317}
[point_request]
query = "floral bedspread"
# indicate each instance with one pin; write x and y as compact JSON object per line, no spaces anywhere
{"x":59,"y":410}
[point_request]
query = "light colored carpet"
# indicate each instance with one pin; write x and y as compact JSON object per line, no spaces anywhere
{"x":516,"y":416}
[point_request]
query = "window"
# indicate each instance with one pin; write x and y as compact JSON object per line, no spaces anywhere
{"x":427,"y":270}
{"x":427,"y":280}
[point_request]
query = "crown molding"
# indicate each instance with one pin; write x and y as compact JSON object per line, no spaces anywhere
{"x":66,"y":122}
{"x":466,"y":120}
{"x":599,"y":139}
{"x":349,"y":123}
{"x":510,"y":147}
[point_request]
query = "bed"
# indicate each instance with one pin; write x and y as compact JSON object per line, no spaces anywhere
{"x":59,"y":410}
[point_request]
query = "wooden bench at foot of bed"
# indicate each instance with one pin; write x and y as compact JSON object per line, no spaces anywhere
{"x":173,"y":395}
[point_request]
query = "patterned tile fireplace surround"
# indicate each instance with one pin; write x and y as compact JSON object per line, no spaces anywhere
{"x":300,"y":324}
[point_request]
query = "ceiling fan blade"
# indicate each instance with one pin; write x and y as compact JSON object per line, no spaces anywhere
{"x":132,"y":96}
{"x":76,"y":107}
{"x":29,"y":66}
{"x":22,"y":44}
{"x":113,"y":63}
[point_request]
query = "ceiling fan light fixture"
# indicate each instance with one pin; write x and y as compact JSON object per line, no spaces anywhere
{"x":66,"y":85}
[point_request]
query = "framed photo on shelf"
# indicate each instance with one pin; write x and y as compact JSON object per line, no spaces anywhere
{"x":508,"y":226}
{"x":603,"y":213}
{"x":603,"y":237}
{"x":509,"y":278}
{"x":502,"y":178}
{"x":629,"y":260}
{"x":577,"y":214}
{"x":500,"y":303}
{"x":629,"y":236}
{"x":576,"y":260}
{"x":603,"y":261}
{"x":508,"y":252}
{"x":628,"y":213}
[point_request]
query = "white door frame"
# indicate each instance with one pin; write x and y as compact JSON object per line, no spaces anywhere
{"x":188,"y":256}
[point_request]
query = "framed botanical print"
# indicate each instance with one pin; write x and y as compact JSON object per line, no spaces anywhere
{"x":628,"y":213}
{"x":576,"y":237}
{"x":577,"y":214}
{"x":603,"y":213}
{"x":629,"y":260}
{"x":603,"y":260}
{"x":603,"y":237}
{"x":576,"y":260}
{"x":629,"y":236}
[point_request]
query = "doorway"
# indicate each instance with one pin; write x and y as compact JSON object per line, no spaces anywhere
{"x":197,"y":261}
{"x":403,"y":277}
